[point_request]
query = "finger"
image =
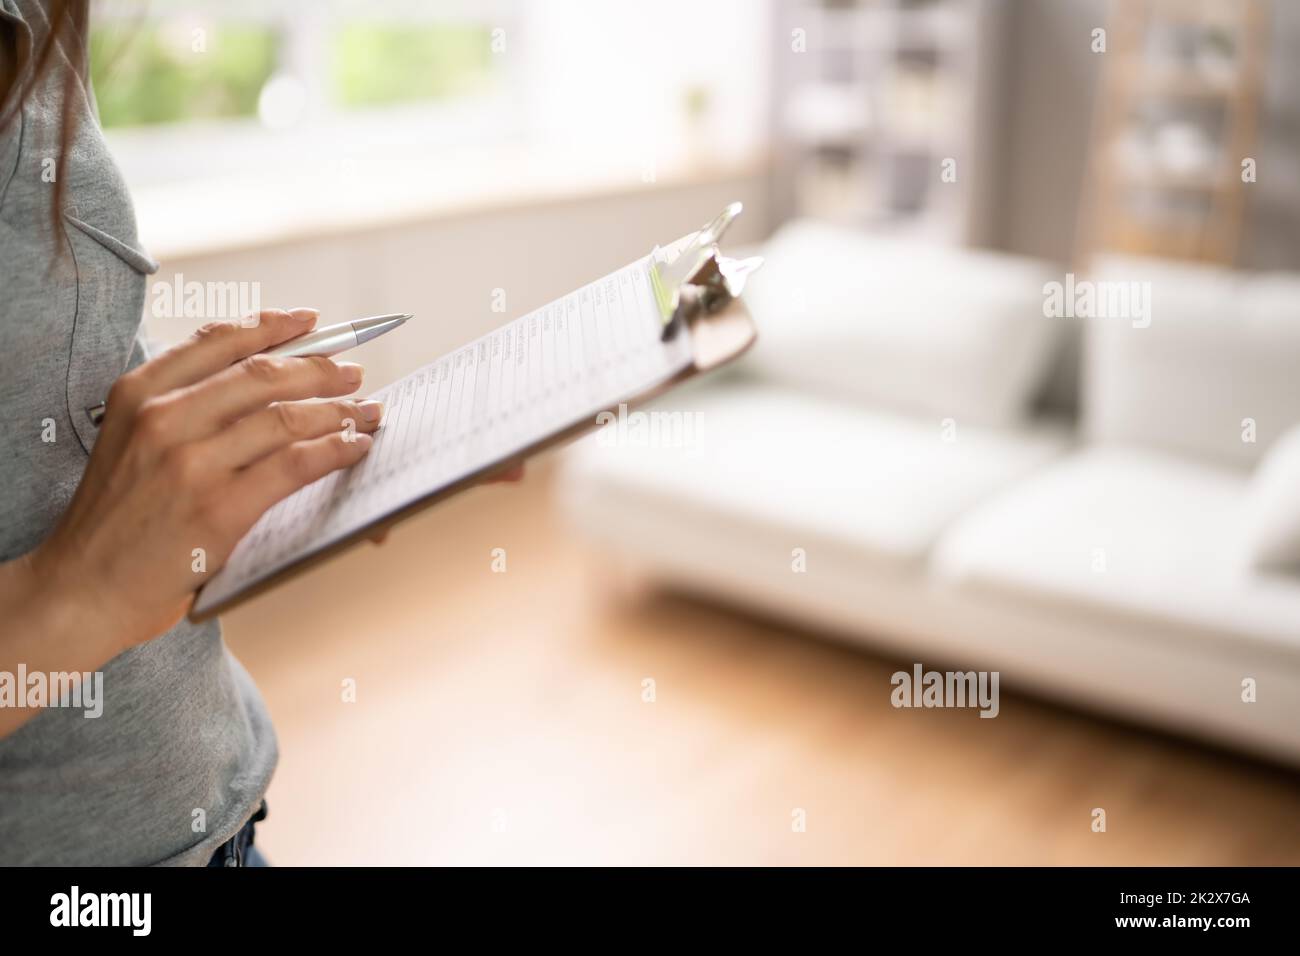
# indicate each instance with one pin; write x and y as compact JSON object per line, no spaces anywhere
{"x":295,"y":466}
{"x":216,"y":346}
{"x":251,"y":385}
{"x":283,"y":423}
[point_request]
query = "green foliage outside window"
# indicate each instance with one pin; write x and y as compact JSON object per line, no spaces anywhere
{"x":146,"y":73}
{"x":379,"y":64}
{"x":156,"y":72}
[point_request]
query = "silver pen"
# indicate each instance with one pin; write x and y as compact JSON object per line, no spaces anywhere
{"x":334,"y":339}
{"x":330,"y":340}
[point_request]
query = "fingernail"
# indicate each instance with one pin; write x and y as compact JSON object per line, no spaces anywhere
{"x":304,"y":315}
{"x":371,"y":410}
{"x":364,"y":440}
{"x":351,"y":372}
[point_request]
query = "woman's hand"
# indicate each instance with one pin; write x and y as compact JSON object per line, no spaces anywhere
{"x":195,"y":445}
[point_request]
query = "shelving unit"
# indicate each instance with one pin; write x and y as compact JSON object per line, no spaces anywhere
{"x":872,"y":97}
{"x":1180,"y":92}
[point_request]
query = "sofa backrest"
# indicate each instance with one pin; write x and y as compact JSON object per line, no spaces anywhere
{"x":931,"y":329}
{"x":1214,"y":375}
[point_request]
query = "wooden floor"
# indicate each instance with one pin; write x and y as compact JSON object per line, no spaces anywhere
{"x":499,"y":719}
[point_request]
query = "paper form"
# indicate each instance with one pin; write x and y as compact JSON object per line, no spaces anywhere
{"x":478,"y":405}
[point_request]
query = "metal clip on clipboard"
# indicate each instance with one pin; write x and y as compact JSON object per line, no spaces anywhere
{"x":698,"y":280}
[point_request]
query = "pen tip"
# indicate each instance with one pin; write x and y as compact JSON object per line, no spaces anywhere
{"x":376,"y":325}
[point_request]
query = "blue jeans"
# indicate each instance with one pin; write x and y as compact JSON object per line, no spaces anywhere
{"x":239,"y":849}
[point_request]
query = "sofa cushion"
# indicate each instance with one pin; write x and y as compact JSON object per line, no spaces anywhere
{"x":770,"y":458}
{"x":923,"y":328}
{"x":1216,"y":374}
{"x":1271,"y":530}
{"x":1130,"y":532}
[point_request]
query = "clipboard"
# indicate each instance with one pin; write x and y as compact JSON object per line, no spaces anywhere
{"x":697,"y":291}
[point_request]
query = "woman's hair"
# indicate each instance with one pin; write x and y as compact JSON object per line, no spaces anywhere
{"x":64,"y":50}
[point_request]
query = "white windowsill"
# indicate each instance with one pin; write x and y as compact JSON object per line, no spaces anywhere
{"x":250,"y":209}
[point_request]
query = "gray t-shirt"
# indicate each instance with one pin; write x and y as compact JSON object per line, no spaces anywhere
{"x":183,"y":728}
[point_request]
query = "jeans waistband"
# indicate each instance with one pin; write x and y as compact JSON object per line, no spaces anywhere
{"x":234,"y":852}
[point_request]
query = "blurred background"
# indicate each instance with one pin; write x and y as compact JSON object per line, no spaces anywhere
{"x":1025,"y":400}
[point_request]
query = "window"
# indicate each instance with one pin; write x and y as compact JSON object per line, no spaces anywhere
{"x":262,"y":120}
{"x":381,"y":64}
{"x":182,"y":61}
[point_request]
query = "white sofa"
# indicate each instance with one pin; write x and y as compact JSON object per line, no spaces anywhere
{"x":888,"y":437}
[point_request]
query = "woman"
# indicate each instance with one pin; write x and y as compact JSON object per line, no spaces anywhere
{"x":98,"y":526}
